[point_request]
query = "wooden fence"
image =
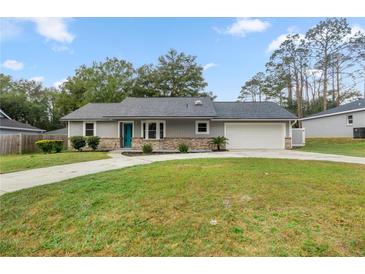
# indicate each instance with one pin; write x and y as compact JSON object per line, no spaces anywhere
{"x":25,"y":143}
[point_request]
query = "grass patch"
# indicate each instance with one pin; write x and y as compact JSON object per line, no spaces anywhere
{"x":205,"y":207}
{"x":11,"y":163}
{"x":341,"y":146}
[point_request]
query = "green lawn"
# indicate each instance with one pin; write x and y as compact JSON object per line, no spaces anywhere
{"x":342,"y":146}
{"x":261,"y":208}
{"x":11,"y":163}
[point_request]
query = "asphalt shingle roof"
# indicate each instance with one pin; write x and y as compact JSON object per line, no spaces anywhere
{"x":183,"y":107}
{"x":5,"y":122}
{"x":251,"y":110}
{"x":358,"y":104}
{"x":61,"y":131}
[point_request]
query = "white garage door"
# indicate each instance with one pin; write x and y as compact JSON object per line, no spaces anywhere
{"x":255,"y":135}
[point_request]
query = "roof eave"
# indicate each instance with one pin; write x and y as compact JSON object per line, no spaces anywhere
{"x":332,"y":114}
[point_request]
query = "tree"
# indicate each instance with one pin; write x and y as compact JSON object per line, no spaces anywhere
{"x":178,"y":74}
{"x":255,"y":88}
{"x":26,"y":101}
{"x":103,"y":82}
{"x":328,"y":38}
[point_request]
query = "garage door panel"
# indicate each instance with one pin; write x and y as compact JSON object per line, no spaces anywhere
{"x":255,"y":135}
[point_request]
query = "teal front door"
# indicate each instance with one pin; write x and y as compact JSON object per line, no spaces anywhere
{"x":127,"y":136}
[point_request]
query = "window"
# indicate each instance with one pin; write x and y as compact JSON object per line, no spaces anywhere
{"x":349,"y":120}
{"x":161,"y":130}
{"x":201,"y":127}
{"x":153,"y":129}
{"x":144,"y":130}
{"x":89,"y":129}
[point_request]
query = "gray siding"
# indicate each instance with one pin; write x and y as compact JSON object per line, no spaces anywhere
{"x":186,"y":128}
{"x":333,"y":126}
{"x":76,"y":129}
{"x":107,"y":129}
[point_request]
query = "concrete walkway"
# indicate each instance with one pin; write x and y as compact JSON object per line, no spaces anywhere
{"x":25,"y":179}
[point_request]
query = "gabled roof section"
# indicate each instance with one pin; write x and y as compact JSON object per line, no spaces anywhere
{"x":165,"y":107}
{"x":252,"y":111}
{"x":61,"y":131}
{"x":179,"y":107}
{"x":145,"y":107}
{"x":92,"y":111}
{"x":15,"y":125}
{"x":346,"y":108}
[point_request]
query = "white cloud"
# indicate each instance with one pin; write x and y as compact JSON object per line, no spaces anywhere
{"x":38,"y":79}
{"x":243,"y":26}
{"x":209,"y":65}
{"x":53,"y":29}
{"x":57,"y":84}
{"x":62,"y":48}
{"x":13,"y":64}
{"x":275,"y":44}
{"x":357,"y":28}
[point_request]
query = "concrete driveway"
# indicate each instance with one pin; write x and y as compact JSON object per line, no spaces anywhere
{"x":25,"y":179}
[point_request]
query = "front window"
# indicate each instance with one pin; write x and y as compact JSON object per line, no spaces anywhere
{"x":202,"y":127}
{"x":153,"y":129}
{"x":350,"y":120}
{"x":162,"y":130}
{"x":89,"y":129}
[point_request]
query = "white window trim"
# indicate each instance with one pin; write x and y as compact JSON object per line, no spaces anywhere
{"x":125,"y":122}
{"x":347,"y":120}
{"x":157,"y":128}
{"x":196,"y":127}
{"x":84,"y":127}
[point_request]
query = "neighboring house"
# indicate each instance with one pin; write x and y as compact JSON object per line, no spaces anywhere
{"x":9,"y":126}
{"x":166,"y":122}
{"x":61,"y":131}
{"x":336,"y":122}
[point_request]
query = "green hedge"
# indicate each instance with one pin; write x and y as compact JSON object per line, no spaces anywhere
{"x":147,"y":148}
{"x":78,"y":142}
{"x":93,"y":142}
{"x":48,"y":146}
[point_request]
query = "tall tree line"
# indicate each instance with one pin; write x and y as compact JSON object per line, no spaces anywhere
{"x":176,"y":74}
{"x":312,"y":72}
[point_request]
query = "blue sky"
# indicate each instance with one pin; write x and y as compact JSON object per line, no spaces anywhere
{"x":231,"y":49}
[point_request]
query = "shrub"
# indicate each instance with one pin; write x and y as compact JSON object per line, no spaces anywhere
{"x":219,"y":141}
{"x":78,"y":142}
{"x":57,"y":145}
{"x":183,"y":148}
{"x":93,"y":142}
{"x":47,"y":146}
{"x":147,"y":148}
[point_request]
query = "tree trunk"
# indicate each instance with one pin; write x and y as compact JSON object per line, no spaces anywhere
{"x":290,"y":92}
{"x":325,"y":81}
{"x":338,"y":86}
{"x":333,"y":85}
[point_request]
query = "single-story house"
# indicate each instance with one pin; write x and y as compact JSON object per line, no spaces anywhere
{"x":166,"y":122}
{"x":341,"y":121}
{"x":10,"y":126}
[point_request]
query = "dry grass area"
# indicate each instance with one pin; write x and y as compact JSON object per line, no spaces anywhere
{"x":206,"y":207}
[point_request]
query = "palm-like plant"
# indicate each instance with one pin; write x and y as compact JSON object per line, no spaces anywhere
{"x":219,"y":141}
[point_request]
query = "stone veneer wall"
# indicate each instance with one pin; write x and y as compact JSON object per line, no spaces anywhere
{"x":173,"y":143}
{"x":288,"y":143}
{"x":109,"y":143}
